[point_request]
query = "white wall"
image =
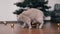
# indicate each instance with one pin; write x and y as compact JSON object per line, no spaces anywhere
{"x":7,"y":8}
{"x":52,"y":3}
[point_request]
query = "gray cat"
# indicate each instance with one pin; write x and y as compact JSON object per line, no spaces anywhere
{"x":31,"y":14}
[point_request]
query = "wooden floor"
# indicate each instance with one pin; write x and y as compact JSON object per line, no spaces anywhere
{"x":49,"y":28}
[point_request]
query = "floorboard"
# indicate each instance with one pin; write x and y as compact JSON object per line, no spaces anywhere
{"x":48,"y":28}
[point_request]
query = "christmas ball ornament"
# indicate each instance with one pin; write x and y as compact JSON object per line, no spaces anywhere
{"x":4,"y":22}
{"x":58,"y":24}
{"x":12,"y":25}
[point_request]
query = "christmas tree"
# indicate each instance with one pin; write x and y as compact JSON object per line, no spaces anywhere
{"x":39,"y":4}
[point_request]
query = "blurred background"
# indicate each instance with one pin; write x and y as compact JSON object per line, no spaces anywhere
{"x":7,"y":8}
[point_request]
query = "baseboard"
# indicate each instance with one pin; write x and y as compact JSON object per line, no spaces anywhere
{"x":9,"y":21}
{"x":17,"y":22}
